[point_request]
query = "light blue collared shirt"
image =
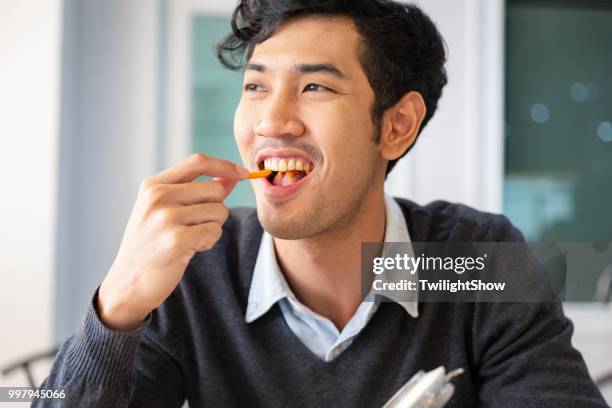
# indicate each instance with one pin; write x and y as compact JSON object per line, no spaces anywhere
{"x":318,"y":333}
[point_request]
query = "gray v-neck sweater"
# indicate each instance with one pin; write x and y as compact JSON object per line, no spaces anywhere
{"x":197,"y":345}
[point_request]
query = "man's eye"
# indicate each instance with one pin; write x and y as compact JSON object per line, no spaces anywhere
{"x":252,"y":87}
{"x":315,"y":88}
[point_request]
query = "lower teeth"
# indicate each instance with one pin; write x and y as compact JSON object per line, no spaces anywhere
{"x":287,"y":178}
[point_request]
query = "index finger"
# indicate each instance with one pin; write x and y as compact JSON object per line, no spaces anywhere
{"x":198,"y":165}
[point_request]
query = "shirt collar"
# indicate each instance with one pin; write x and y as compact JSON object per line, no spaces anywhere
{"x":269,"y":285}
{"x":396,"y":231}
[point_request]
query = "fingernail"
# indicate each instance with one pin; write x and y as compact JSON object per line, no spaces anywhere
{"x":242,"y":171}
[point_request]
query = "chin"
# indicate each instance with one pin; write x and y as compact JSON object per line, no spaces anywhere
{"x":278,"y":223}
{"x":281,"y":230}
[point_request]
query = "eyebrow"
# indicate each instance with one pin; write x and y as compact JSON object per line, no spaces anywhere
{"x":303,"y":69}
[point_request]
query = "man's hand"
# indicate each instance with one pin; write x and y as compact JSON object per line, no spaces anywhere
{"x":172,"y":219}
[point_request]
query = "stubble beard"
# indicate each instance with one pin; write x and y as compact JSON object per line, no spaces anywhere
{"x":323,"y":215}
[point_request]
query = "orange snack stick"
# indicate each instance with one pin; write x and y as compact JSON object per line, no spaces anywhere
{"x":259,"y":174}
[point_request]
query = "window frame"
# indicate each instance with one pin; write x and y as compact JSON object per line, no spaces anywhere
{"x":179,"y":16}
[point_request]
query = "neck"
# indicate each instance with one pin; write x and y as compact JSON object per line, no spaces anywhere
{"x":324,"y":271}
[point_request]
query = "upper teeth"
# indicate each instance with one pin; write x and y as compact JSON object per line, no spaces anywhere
{"x":287,"y":164}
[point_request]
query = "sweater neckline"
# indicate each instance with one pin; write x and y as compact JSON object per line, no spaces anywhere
{"x":295,"y":345}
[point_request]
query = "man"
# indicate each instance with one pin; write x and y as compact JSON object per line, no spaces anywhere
{"x":265,"y":308}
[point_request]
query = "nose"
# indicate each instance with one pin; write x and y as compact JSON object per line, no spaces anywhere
{"x":279,"y":118}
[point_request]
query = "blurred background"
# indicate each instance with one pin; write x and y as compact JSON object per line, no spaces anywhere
{"x":96,"y":95}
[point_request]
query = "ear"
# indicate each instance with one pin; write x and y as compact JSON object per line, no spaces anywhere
{"x":401,"y":125}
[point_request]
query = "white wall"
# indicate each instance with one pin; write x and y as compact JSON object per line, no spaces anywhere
{"x":30,"y":32}
{"x":459,"y":155}
{"x":109,"y":138}
{"x":79,"y":129}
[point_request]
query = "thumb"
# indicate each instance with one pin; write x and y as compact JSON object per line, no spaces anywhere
{"x":227,"y":183}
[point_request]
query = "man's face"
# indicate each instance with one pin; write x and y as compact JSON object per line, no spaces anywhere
{"x":306,"y":105}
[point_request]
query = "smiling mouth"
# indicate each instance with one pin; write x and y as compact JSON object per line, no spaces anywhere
{"x":287,"y":170}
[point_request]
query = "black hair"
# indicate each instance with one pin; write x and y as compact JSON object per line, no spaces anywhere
{"x":402,"y":49}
